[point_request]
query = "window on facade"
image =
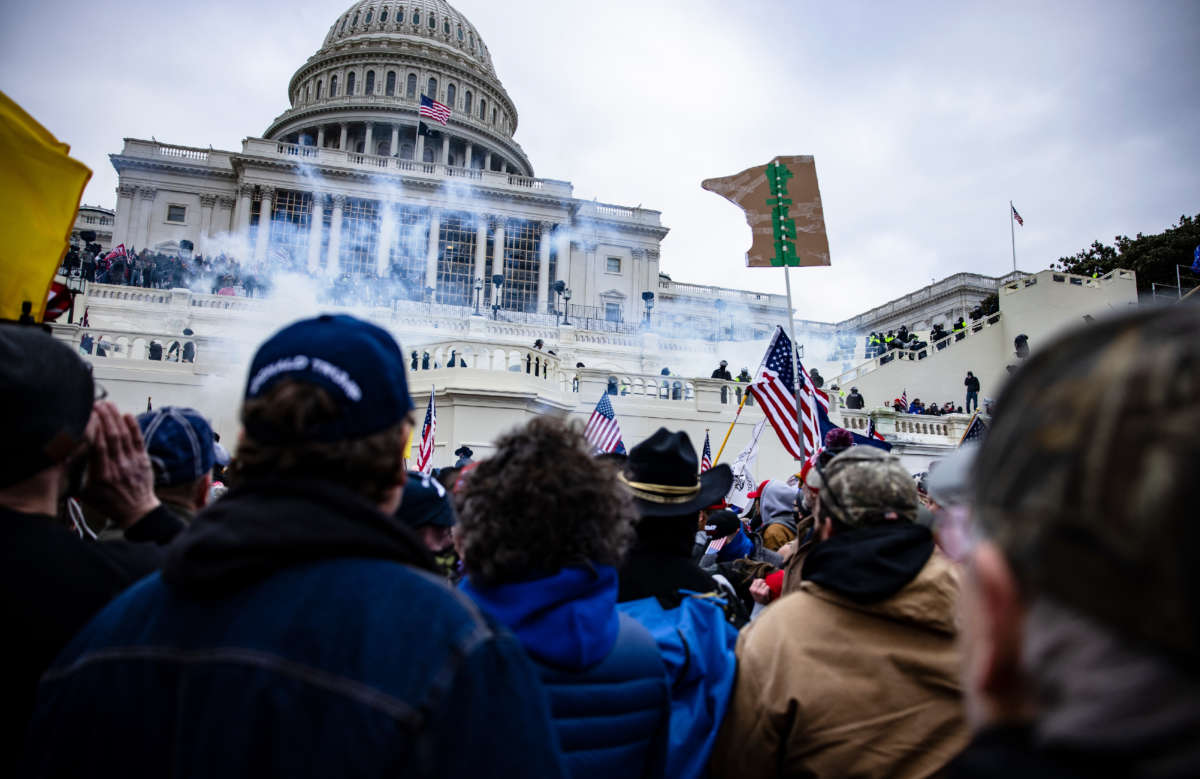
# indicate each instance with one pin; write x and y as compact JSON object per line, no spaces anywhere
{"x":432,"y":22}
{"x":406,"y":253}
{"x":370,"y":16}
{"x":416,"y":16}
{"x":177,"y":214}
{"x":519,"y":292}
{"x":427,"y":155}
{"x":412,"y":86}
{"x":370,"y":87}
{"x":612,"y":312}
{"x":614,"y":265}
{"x":406,"y":151}
{"x":344,"y":21}
{"x":450,"y":94}
{"x":355,"y":22}
{"x":333,"y":86}
{"x":467,"y":102}
{"x":390,"y":85}
{"x":446,"y":26}
{"x":320,"y":84}
{"x":460,"y":35}
{"x":308,"y":92}
{"x":471,"y":37}
{"x":456,"y":260}
{"x":432,"y":91}
{"x":482,"y":109}
{"x":360,"y":235}
{"x":291,"y":214}
{"x":383,"y":16}
{"x":493,"y":116}
{"x":350,"y":79}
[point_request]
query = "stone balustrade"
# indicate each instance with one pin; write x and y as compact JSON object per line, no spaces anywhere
{"x":483,"y":356}
{"x":99,"y":343}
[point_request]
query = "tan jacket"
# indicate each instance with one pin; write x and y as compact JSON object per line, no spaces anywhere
{"x":776,"y":535}
{"x":828,"y":687}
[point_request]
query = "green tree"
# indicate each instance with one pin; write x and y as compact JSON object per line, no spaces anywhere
{"x":1152,"y":257}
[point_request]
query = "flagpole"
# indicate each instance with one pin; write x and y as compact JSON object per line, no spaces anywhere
{"x":1013,"y":232}
{"x":787,"y":277}
{"x":745,"y":395}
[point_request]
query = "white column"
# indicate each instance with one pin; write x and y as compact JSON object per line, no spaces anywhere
{"x":487,"y":161}
{"x":395,"y":148}
{"x":563,"y":237}
{"x":497,"y":255}
{"x":387,"y":235}
{"x":333,"y":264}
{"x":431,"y":251}
{"x":342,"y":138}
{"x":504,"y":166}
{"x":245,"y":193}
{"x":445,"y":149}
{"x":263,"y":239}
{"x":419,"y":147}
{"x":207,"y":204}
{"x":316,"y":220}
{"x":369,"y":140}
{"x":321,"y":136}
{"x":126,"y":200}
{"x":470,"y":150}
{"x":147,"y":195}
{"x":481,"y":231}
{"x":543,"y":283}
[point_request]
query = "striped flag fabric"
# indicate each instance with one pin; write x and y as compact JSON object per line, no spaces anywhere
{"x":775,"y":389}
{"x":904,"y":398}
{"x":438,"y":112}
{"x":873,"y":433}
{"x":602,"y":431}
{"x":706,"y":455}
{"x":117,"y":252}
{"x":428,"y":432}
{"x":1016,"y":216}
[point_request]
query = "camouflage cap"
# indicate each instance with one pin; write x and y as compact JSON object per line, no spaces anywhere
{"x":1088,"y":479}
{"x":865,"y":486}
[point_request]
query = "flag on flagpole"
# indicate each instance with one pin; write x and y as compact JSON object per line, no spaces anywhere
{"x":1016,"y":216}
{"x":873,"y":433}
{"x":775,"y":389}
{"x":84,"y":322}
{"x":975,"y":431}
{"x":428,"y":432}
{"x":58,"y":301}
{"x":115,"y":253}
{"x":436,"y":111}
{"x":743,"y":472}
{"x":706,"y":455}
{"x":602,"y":431}
{"x":904,"y":398}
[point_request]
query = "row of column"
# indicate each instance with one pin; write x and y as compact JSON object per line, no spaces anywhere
{"x":386,"y":239}
{"x":394,"y":145}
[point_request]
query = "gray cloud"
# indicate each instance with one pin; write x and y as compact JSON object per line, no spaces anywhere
{"x":925,"y":119}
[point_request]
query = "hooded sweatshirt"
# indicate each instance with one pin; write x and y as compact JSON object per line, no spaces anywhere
{"x":602,"y":670}
{"x":778,"y":514}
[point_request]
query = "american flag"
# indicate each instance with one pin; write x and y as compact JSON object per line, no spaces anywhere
{"x":1016,"y":216}
{"x":975,"y":431}
{"x":428,"y":431}
{"x":436,"y":111}
{"x":775,"y":389}
{"x":904,"y":398}
{"x":706,"y":455}
{"x":602,"y":431}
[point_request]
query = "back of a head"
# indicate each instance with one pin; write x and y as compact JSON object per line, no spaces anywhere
{"x":1087,"y":478}
{"x":540,"y":503}
{"x":866,"y":486}
{"x":180,"y":443}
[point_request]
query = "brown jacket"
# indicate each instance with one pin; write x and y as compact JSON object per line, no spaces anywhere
{"x":828,"y":687}
{"x":776,"y":535}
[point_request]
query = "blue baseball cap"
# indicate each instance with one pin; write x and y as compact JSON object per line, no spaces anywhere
{"x":180,"y":444}
{"x":359,"y":364}
{"x":425,"y":502}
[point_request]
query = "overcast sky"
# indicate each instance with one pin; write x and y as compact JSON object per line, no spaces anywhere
{"x":925,"y":118}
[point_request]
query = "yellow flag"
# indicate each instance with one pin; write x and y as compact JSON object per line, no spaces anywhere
{"x":408,"y":447}
{"x":40,"y":188}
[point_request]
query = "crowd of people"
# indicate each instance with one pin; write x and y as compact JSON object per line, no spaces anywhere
{"x":310,"y":607}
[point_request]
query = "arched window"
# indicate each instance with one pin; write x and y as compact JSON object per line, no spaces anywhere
{"x":432,"y":22}
{"x":432,"y":92}
{"x":493,"y":116}
{"x":471,"y":37}
{"x":460,"y":35}
{"x":416,"y":16}
{"x":482,"y":109}
{"x":450,"y":95}
{"x":333,"y":86}
{"x":383,"y":16}
{"x":355,"y":22}
{"x":308,"y":92}
{"x":320,"y":84}
{"x":427,"y":155}
{"x":411,"y":91}
{"x":370,"y":86}
{"x":406,"y":151}
{"x":390,"y":87}
{"x":467,"y":103}
{"x":446,"y":26}
{"x":370,"y":16}
{"x":344,"y":21}
{"x":350,"y":79}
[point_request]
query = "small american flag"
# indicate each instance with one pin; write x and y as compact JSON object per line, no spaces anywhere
{"x":602,"y":431}
{"x":776,"y":391}
{"x":436,"y":111}
{"x":1016,"y":216}
{"x":428,"y":431}
{"x":904,"y":398}
{"x":706,"y":456}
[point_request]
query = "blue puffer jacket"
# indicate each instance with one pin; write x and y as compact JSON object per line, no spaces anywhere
{"x":294,"y":631}
{"x":602,"y":670}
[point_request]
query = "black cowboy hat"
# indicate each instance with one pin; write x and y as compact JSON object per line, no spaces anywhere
{"x":464,"y":451}
{"x":661,"y":471}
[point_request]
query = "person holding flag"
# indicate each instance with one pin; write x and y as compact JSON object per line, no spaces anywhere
{"x":706,"y":454}
{"x":602,"y":431}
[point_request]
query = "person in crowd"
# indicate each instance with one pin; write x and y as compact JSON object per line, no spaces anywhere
{"x":857,"y":673}
{"x":426,"y":509}
{"x":183,"y":453}
{"x":1021,"y":346}
{"x":687,"y":611}
{"x":541,"y":557}
{"x":464,"y":454}
{"x":854,"y":400}
{"x":1081,"y":609}
{"x":297,"y":600}
{"x":915,"y":407}
{"x":722,"y":372}
{"x":816,"y":378}
{"x":744,"y":376}
{"x":972,"y":385}
{"x":58,"y":446}
{"x":777,"y":506}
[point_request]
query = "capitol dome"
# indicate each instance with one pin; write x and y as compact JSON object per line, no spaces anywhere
{"x":361,"y":90}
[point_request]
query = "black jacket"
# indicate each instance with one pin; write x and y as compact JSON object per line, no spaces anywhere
{"x":54,"y":582}
{"x":854,"y":400}
{"x":722,"y":373}
{"x":971,"y":383}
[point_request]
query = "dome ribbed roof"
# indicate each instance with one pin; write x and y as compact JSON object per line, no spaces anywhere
{"x":383,"y":19}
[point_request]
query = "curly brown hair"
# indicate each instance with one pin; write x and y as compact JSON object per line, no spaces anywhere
{"x":369,"y":466}
{"x":542,"y":503}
